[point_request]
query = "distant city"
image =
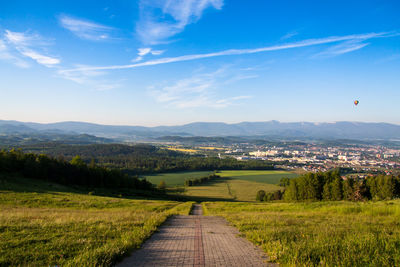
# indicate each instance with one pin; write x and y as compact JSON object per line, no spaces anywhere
{"x":312,"y":157}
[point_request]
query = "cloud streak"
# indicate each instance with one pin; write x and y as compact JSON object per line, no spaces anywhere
{"x":155,"y":29}
{"x":232,"y":52}
{"x":85,"y":29}
{"x":92,"y":79}
{"x":25,"y":45}
{"x":199,"y":90}
{"x":343,"y":48}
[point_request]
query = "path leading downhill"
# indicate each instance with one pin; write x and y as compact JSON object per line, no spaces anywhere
{"x":197,"y":240}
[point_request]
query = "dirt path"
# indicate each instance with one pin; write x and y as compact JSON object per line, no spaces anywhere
{"x":196,"y":240}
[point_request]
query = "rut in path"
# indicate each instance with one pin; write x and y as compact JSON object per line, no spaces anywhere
{"x":197,"y":240}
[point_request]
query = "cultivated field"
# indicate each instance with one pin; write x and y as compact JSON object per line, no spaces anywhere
{"x":319,"y":233}
{"x":175,"y":178}
{"x":42,"y":224}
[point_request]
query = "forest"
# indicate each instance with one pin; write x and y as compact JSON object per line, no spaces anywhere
{"x":143,"y":159}
{"x":75,"y":172}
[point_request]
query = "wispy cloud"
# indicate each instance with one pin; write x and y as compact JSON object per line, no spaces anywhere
{"x":154,"y":28}
{"x":145,"y":51}
{"x":343,"y":48}
{"x":199,"y":90}
{"x":289,"y":35}
{"x":90,"y":78}
{"x":17,"y":44}
{"x":39,"y":58}
{"x":85,"y":29}
{"x":7,"y":55}
{"x":231,"y":52}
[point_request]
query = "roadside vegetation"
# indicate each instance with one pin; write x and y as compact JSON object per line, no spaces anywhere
{"x":328,"y":233}
{"x":47,"y":224}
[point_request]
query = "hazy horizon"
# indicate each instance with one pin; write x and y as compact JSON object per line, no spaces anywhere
{"x":237,"y":122}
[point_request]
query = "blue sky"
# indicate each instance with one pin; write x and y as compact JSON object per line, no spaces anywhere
{"x":165,"y":62}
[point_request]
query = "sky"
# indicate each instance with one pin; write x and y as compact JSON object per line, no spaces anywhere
{"x":171,"y":62}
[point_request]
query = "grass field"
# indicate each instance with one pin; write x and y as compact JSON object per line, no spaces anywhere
{"x":42,"y":224}
{"x":268,"y":177}
{"x":239,"y":185}
{"x":229,"y":190}
{"x":319,"y":233}
{"x":175,"y":178}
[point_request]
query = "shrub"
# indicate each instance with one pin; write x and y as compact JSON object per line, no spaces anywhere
{"x":260,"y":195}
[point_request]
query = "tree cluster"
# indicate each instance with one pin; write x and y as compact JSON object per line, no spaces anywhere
{"x":270,"y":196}
{"x":202,"y":180}
{"x":331,"y":186}
{"x":76,"y":172}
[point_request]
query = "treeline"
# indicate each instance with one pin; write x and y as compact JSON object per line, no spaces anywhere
{"x":146,"y":159}
{"x":331,"y":186}
{"x":76,"y":172}
{"x":270,"y":196}
{"x":202,"y":180}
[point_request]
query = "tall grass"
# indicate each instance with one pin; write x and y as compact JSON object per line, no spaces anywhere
{"x":320,"y":233}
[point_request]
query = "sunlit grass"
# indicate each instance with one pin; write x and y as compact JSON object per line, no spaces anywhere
{"x":71,"y":229}
{"x":319,"y":233}
{"x":230,"y":189}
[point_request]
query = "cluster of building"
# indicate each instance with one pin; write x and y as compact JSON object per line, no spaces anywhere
{"x":314,"y":157}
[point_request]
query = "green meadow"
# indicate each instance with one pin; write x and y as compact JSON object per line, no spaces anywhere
{"x":319,"y":233}
{"x":229,"y":190}
{"x":175,"y":178}
{"x":45,"y":224}
{"x":238,"y":185}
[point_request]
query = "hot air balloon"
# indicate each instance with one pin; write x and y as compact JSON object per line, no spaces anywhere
{"x":356,"y":102}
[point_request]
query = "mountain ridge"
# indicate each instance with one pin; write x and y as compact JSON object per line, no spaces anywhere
{"x":333,"y":130}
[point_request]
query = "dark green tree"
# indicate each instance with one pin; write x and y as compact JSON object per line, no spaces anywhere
{"x":260,"y":195}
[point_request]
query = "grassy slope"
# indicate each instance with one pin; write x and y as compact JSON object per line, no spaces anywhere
{"x":268,"y":177}
{"x":175,"y":178}
{"x":319,"y":233}
{"x":43,"y":224}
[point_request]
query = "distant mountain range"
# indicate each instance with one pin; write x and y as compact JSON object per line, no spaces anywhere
{"x":268,"y":129}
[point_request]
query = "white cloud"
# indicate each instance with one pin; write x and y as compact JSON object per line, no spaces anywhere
{"x":19,"y":38}
{"x":231,"y":52}
{"x":154,"y":28}
{"x":197,"y":91}
{"x":145,"y":51}
{"x":19,"y":44}
{"x":85,"y":29}
{"x":343,"y":48}
{"x":39,"y":58}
